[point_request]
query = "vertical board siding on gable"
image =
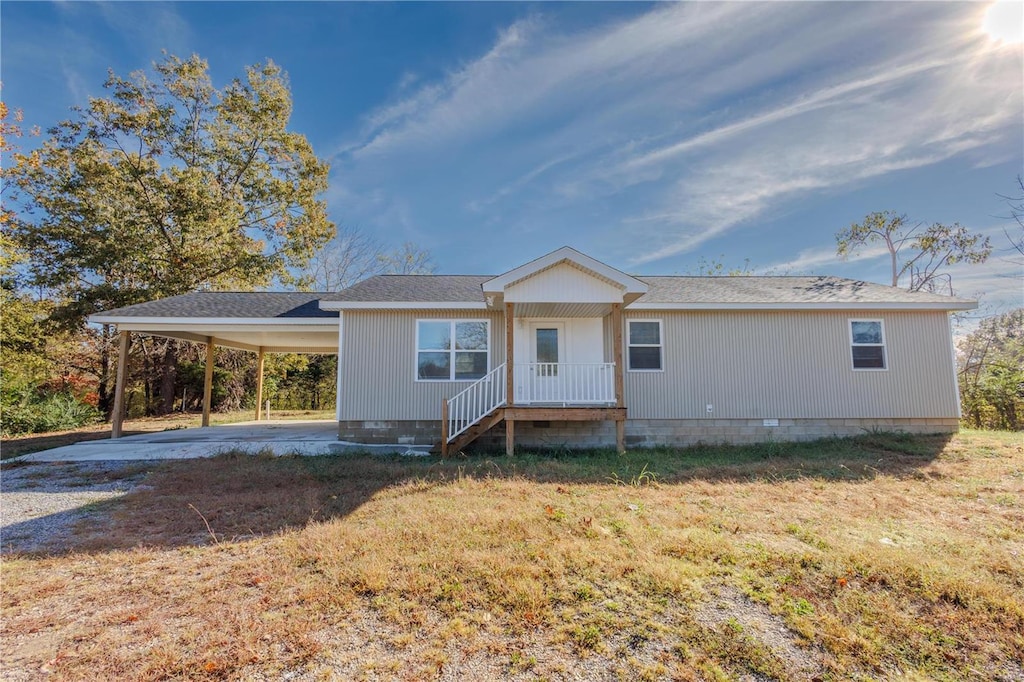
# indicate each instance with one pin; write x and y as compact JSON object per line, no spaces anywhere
{"x":378,"y":364}
{"x":756,"y":365}
{"x":562,"y":283}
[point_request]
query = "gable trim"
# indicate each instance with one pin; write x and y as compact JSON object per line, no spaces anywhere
{"x":630,"y":284}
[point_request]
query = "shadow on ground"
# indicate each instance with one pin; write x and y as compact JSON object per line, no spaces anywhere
{"x":235,"y":496}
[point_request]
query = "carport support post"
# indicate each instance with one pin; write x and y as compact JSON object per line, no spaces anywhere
{"x":208,"y":381}
{"x":259,"y":384}
{"x":117,"y":418}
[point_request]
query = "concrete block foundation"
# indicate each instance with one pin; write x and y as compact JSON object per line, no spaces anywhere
{"x":640,"y":432}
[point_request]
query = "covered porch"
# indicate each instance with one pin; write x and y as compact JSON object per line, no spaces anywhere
{"x":563,"y":317}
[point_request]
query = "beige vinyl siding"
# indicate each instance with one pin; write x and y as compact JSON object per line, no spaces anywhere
{"x":378,"y":364}
{"x":755,"y":365}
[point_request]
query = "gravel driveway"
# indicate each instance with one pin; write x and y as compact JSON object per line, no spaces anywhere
{"x":41,"y":503}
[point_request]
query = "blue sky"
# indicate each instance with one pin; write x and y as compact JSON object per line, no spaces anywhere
{"x":646,"y":135}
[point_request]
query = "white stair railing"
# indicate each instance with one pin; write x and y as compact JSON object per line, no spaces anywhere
{"x":568,"y":383}
{"x":476,"y":401}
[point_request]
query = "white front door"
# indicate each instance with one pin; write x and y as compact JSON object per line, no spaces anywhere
{"x":547,"y":349}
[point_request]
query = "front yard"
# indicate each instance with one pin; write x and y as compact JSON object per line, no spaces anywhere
{"x":874,"y":557}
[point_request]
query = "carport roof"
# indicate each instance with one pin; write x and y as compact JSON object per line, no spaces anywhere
{"x":273,"y":321}
{"x":225,"y":304}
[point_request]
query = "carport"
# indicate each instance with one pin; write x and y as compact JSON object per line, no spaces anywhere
{"x":259,"y":322}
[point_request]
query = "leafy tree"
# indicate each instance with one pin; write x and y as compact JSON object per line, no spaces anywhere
{"x":165,"y":186}
{"x":917,"y":252}
{"x":169,"y":185}
{"x":991,"y":369}
{"x":36,"y":390}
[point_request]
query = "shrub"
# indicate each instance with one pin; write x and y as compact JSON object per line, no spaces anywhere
{"x":25,"y":410}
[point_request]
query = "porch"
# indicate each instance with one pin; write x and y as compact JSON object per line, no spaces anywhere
{"x":563,"y":350}
{"x":550,"y":383}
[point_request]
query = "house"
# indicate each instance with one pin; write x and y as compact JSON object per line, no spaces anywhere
{"x":568,"y":351}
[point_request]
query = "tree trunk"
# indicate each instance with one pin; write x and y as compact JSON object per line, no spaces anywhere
{"x":168,"y":376}
{"x":105,"y":399}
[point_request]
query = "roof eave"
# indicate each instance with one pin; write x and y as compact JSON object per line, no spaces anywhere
{"x":846,"y":305}
{"x":103,"y":318}
{"x":402,"y":305}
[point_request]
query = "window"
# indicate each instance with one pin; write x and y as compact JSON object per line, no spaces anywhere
{"x":644,"y":345}
{"x":452,"y":350}
{"x":867,"y":342}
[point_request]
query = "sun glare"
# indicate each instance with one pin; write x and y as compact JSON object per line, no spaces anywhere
{"x":1004,"y":21}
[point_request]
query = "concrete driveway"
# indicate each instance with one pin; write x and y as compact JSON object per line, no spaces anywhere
{"x":280,"y":437}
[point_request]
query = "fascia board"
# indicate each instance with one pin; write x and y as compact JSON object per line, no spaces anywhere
{"x":402,"y":305}
{"x":208,"y":321}
{"x":967,"y":305}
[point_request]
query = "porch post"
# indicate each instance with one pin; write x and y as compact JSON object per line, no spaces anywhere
{"x":208,"y":381}
{"x":510,"y":384}
{"x":259,"y":384}
{"x":117,"y":418}
{"x":620,"y":398}
{"x":510,"y":388}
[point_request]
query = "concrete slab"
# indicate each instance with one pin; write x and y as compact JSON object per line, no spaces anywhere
{"x":280,"y":437}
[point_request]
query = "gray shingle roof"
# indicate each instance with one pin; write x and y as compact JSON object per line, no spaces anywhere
{"x":467,"y":289}
{"x":814,"y":289}
{"x":415,"y":289}
{"x":683,"y":290}
{"x":250,"y":304}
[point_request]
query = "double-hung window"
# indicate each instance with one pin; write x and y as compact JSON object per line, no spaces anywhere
{"x":867,"y":344}
{"x":452,"y":350}
{"x":645,"y":345}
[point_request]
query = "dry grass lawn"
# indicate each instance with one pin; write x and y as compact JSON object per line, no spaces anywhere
{"x":876,"y":557}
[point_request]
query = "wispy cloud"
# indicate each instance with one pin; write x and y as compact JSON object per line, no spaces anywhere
{"x":823,"y":259}
{"x":647,"y":138}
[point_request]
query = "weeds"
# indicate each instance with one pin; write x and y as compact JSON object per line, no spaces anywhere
{"x":644,"y":477}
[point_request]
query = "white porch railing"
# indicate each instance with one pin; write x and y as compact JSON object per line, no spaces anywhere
{"x":475,"y":401}
{"x":567,"y":383}
{"x":559,"y":383}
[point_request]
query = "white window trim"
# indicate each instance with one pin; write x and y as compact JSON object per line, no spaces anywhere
{"x":660,"y":346}
{"x":451,"y":374}
{"x":884,"y":345}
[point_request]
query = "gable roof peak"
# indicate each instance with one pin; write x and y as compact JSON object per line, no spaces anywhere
{"x":632,"y":287}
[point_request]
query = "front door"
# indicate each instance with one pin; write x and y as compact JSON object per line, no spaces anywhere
{"x":547,"y":349}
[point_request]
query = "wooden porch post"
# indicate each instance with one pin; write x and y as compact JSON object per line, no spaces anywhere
{"x":620,"y":398}
{"x":510,"y":437}
{"x":208,"y":381}
{"x":117,"y":418}
{"x":510,"y":384}
{"x":510,"y":387}
{"x":259,"y":384}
